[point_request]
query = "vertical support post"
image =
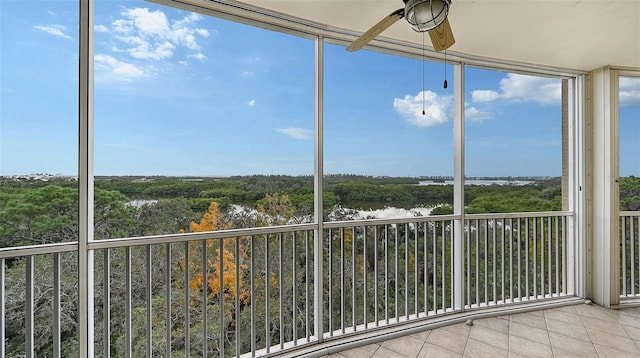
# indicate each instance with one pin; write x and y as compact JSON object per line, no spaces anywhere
{"x":604,"y":144}
{"x":318,"y":301}
{"x":458,"y":186}
{"x":85,"y":181}
{"x":577,"y":257}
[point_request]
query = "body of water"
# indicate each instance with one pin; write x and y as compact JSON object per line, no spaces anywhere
{"x":485,"y":182}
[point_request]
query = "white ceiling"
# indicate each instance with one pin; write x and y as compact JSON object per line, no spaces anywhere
{"x":571,"y":34}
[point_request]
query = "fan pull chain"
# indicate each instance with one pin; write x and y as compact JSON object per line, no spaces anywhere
{"x":423,"y":99}
{"x":445,"y":69}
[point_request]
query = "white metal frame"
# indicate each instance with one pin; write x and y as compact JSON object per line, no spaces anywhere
{"x":229,"y":9}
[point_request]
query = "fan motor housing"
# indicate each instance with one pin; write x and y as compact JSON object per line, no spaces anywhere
{"x":425,"y":15}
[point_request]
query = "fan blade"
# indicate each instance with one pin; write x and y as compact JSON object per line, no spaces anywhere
{"x":376,"y":30}
{"x":442,"y":36}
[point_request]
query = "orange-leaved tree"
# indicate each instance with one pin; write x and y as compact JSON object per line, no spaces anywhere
{"x":214,"y":269}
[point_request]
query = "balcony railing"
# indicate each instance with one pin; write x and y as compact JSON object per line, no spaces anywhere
{"x":630,"y":254}
{"x":253,"y":292}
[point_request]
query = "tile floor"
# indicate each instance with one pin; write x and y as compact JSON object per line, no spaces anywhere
{"x":570,"y":331}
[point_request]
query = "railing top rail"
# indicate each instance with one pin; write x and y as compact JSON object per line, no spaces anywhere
{"x":21,"y":251}
{"x":518,"y":215}
{"x":195,"y":236}
{"x":371,"y":222}
{"x":630,"y":213}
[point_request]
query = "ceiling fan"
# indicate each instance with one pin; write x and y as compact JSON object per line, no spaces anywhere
{"x":422,"y":15}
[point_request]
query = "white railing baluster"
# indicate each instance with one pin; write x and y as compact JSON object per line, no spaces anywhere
{"x":204,"y":298}
{"x":364,"y":277}
{"x":252,"y":283}
{"x":187,"y":313}
{"x":632,"y":259}
{"x":267,"y":303}
{"x":375,"y":275}
{"x":106,"y":302}
{"x":386,"y":274}
{"x":281,"y":289}
{"x":535,"y":258}
{"x":330,"y":288}
{"x":237,"y":298}
{"x":56,"y":331}
{"x":29,"y":309}
{"x":494,"y":262}
{"x":343,"y":292}
{"x":415,"y":270}
{"x":127,"y":304}
{"x":222,"y":328}
{"x":2,"y":308}
{"x":149,"y":304}
{"x":353,"y":277}
{"x":168,"y":303}
{"x":294,"y":296}
{"x":406,"y":270}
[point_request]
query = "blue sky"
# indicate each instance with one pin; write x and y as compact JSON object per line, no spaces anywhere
{"x":178,"y":93}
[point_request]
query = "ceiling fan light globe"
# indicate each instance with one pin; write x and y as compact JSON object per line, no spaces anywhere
{"x":425,"y":15}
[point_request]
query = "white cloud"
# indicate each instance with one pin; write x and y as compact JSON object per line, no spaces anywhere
{"x":480,"y":96}
{"x":150,"y":35}
{"x":629,"y":91}
{"x":531,"y":89}
{"x":294,"y":132}
{"x":198,"y":56}
{"x":543,"y":90}
{"x":109,"y":68}
{"x":247,"y":74}
{"x":55,"y":30}
{"x":252,"y":103}
{"x":100,"y":28}
{"x":426,"y":109}
{"x":474,"y":114}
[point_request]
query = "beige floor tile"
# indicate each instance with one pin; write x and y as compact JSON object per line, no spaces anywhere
{"x":608,"y":352}
{"x":559,"y":353}
{"x":489,"y":336}
{"x":568,"y":330}
{"x":572,"y":345}
{"x":537,"y":313}
{"x":632,"y":332}
{"x":569,"y":309}
{"x":633,"y":311}
{"x":495,"y":323}
{"x":479,"y":349}
{"x":604,"y":326}
{"x":613,"y":341}
{"x":432,"y":351}
{"x":513,"y":354}
{"x":407,"y":346}
{"x":530,"y":320}
{"x":421,"y":335}
{"x":445,"y":339}
{"x":628,"y":320}
{"x":361,"y":352}
{"x":570,"y":318}
{"x":530,"y":333}
{"x":460,"y":328}
{"x":382,"y":352}
{"x":529,"y":348}
{"x":595,"y":311}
